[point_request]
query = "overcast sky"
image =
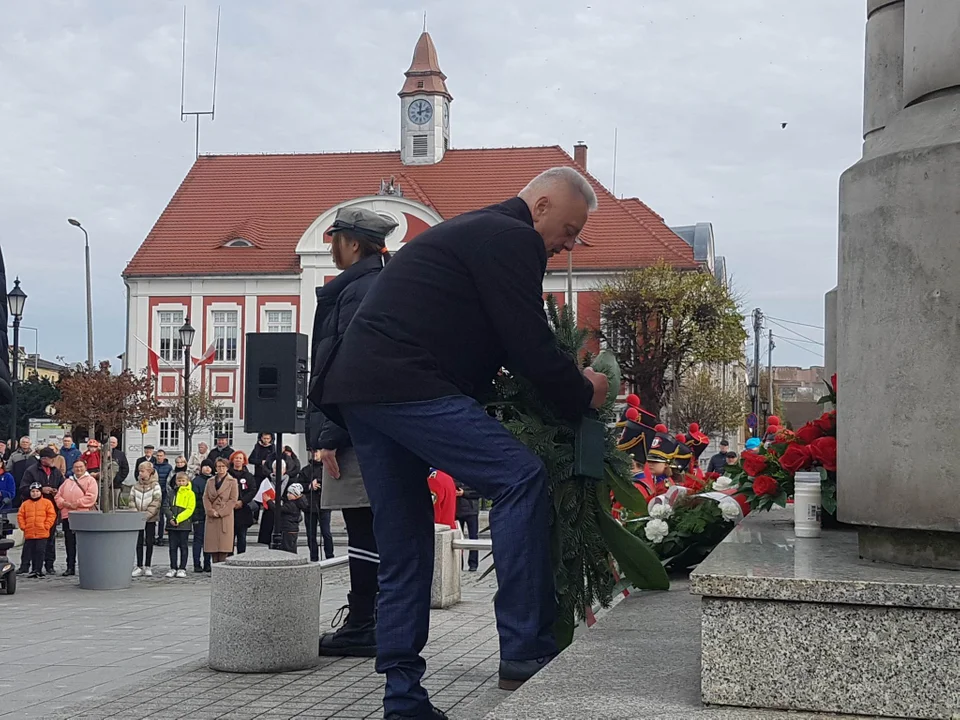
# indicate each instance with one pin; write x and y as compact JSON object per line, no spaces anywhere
{"x":90,"y":126}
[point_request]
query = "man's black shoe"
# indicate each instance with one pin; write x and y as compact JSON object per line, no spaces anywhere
{"x":160,"y":542}
{"x":357,"y":637}
{"x":23,"y":570}
{"x":198,"y":568}
{"x":33,"y":575}
{"x":206,"y":568}
{"x":68,"y":572}
{"x":514,"y":673}
{"x":432,"y":714}
{"x":50,"y":570}
{"x":471,"y":569}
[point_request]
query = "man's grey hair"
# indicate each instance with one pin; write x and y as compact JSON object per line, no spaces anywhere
{"x":563,"y":174}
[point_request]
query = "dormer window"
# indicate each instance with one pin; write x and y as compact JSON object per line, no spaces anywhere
{"x":239,"y":243}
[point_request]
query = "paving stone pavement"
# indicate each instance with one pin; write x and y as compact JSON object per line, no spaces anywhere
{"x":140,"y":653}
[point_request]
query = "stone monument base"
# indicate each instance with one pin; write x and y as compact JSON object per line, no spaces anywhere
{"x":805,"y":624}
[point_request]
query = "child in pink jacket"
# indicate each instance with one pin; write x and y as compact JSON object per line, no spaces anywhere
{"x":77,"y":493}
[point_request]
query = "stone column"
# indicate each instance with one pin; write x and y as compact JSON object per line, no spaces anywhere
{"x":830,"y":334}
{"x":898,"y":307}
{"x":883,"y":66}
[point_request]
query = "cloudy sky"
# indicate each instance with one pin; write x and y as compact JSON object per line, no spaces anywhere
{"x":698,"y":89}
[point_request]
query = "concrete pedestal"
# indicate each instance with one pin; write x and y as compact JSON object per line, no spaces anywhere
{"x":264,"y":612}
{"x":803,"y":624}
{"x":445,"y":590}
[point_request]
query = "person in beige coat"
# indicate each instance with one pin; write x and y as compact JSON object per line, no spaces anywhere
{"x":146,"y":497}
{"x":219,"y":501}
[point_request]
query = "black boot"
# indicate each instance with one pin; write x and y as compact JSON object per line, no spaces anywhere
{"x":357,"y":637}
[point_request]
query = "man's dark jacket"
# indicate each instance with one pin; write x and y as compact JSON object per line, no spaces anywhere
{"x":456,"y":304}
{"x":123,"y":466}
{"x":337,"y":303}
{"x":218,"y":453}
{"x":718,"y":463}
{"x":36,"y":474}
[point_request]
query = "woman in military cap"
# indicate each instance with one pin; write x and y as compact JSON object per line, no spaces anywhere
{"x":358,"y":245}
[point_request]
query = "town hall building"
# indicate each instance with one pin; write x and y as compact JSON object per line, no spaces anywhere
{"x":240,"y":248}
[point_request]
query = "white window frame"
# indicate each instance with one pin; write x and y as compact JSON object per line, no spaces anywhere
{"x":274,"y":307}
{"x":169,"y":437}
{"x":278,"y":321}
{"x":173,"y":354}
{"x":223,"y":352}
{"x":225,"y":419}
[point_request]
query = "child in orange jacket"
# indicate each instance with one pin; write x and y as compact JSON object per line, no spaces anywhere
{"x":36,"y":519}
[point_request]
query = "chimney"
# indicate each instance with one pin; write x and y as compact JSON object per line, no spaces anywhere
{"x":580,"y":154}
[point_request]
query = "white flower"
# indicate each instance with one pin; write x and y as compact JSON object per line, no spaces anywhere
{"x":656,"y":530}
{"x":723,"y":483}
{"x":730,"y":509}
{"x":660,"y":510}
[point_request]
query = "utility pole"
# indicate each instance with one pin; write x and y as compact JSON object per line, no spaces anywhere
{"x":757,"y":327}
{"x":770,"y":347}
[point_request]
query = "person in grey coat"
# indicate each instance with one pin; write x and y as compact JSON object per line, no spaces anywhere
{"x":359,"y":249}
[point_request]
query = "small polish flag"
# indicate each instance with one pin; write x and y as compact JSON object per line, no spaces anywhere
{"x":207,"y":356}
{"x":153,"y":361}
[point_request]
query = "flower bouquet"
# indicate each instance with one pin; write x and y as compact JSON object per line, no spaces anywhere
{"x":765,"y":476}
{"x":684,"y":524}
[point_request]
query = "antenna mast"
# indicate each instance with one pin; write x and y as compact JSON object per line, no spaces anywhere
{"x":183,"y":65}
{"x":613,"y":190}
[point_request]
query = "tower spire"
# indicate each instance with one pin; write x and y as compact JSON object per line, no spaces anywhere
{"x":425,"y":75}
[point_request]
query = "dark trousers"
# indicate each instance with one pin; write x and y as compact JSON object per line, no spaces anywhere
{"x":146,"y":537}
{"x":179,"y":548}
{"x":50,"y":549}
{"x":70,"y":540}
{"x":198,"y":553}
{"x":32,"y":556}
{"x":239,"y":538}
{"x":470,"y":524}
{"x":396,"y":445}
{"x":311,"y":520}
{"x":364,"y":561}
{"x":288,"y":542}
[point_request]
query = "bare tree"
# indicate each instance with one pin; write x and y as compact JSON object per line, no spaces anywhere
{"x":701,"y":400}
{"x":202,"y":412}
{"x":102,"y":402}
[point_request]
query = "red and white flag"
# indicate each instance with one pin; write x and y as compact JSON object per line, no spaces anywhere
{"x":153,"y":361}
{"x":207,"y":357}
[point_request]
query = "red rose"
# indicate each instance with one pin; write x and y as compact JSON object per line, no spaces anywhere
{"x":712,"y":475}
{"x":827,"y":423}
{"x":796,"y":457}
{"x":824,"y":451}
{"x":753,"y":464}
{"x":765,"y":485}
{"x":809,"y":432}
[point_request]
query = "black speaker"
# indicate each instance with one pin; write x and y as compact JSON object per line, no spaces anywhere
{"x":276,"y":383}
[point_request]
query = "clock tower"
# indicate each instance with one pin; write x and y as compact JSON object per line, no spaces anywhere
{"x":424,"y":108}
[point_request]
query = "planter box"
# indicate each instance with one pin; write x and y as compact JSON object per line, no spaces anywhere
{"x":106,"y":546}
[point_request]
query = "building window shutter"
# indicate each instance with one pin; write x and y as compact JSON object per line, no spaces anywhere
{"x":420,"y":145}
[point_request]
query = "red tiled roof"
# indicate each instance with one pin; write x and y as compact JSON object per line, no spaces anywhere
{"x":272,"y":199}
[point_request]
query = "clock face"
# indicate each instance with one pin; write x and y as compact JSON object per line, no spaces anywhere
{"x":446,"y":114}
{"x":420,"y":112}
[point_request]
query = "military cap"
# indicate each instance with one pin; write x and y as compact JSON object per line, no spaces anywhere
{"x":635,"y":439}
{"x":363,"y":222}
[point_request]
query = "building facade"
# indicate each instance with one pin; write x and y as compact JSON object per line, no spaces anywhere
{"x":240,"y":248}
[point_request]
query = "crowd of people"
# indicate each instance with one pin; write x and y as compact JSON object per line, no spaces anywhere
{"x":211,"y":498}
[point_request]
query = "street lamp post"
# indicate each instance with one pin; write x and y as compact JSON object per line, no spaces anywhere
{"x":752,"y":394}
{"x":16,"y":299}
{"x":86,"y":251}
{"x":186,"y":340}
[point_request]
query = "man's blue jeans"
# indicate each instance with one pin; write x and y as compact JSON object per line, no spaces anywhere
{"x":396,"y":445}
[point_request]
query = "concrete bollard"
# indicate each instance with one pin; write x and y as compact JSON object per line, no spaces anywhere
{"x":445,"y":591}
{"x":264,"y":612}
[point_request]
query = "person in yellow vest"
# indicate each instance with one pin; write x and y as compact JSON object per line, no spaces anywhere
{"x":178,"y":508}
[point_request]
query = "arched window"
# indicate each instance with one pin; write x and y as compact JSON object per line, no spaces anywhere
{"x":239,"y":243}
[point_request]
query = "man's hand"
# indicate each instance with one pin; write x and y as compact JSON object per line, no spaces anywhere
{"x":329,"y":460}
{"x":459,"y":492}
{"x":46,"y":490}
{"x":600,"y":386}
{"x":238,"y":505}
{"x":315,"y":485}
